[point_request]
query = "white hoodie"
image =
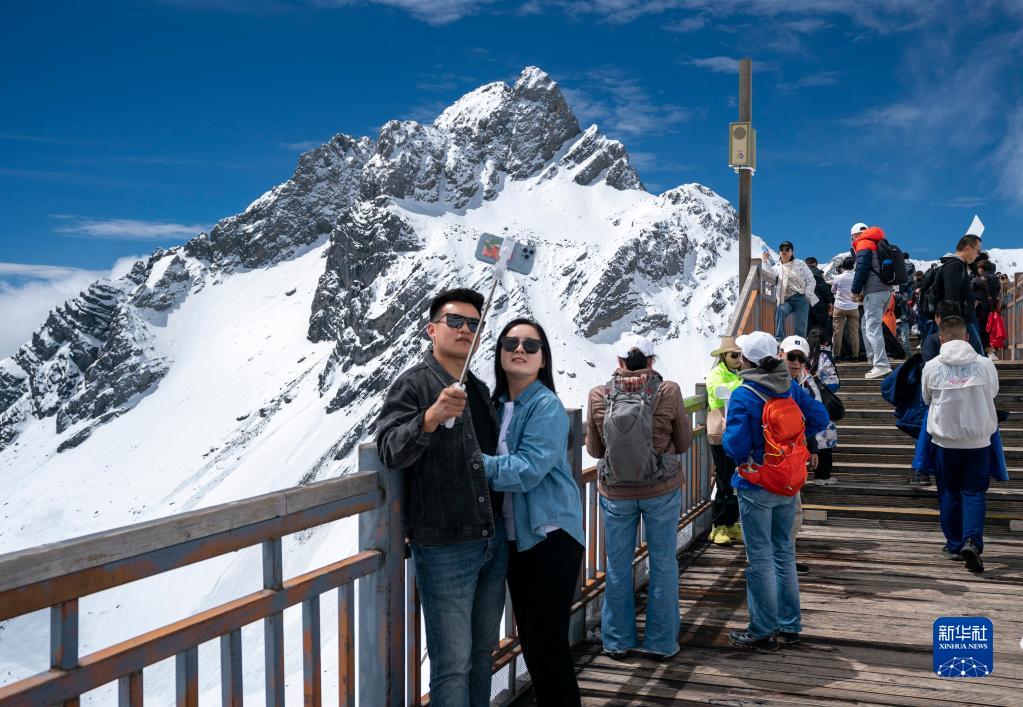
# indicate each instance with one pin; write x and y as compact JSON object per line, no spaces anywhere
{"x":960,"y":387}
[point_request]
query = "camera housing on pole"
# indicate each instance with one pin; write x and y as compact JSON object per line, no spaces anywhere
{"x":742,"y":147}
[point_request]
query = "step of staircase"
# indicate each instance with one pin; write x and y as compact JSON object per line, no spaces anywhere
{"x":1003,"y":503}
{"x":856,"y":400}
{"x":853,"y":452}
{"x":899,"y":471}
{"x":861,"y":433}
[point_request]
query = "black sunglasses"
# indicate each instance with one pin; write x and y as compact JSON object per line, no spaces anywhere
{"x":796,"y":356}
{"x":785,"y":250}
{"x":733,"y":354}
{"x":457,"y":321}
{"x":511,"y":343}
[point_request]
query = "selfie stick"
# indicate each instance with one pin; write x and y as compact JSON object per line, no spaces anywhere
{"x":507,"y":248}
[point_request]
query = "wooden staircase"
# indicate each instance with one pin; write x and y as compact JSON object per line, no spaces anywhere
{"x":873,"y":459}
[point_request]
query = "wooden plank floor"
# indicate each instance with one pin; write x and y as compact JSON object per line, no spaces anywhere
{"x":874,"y":591}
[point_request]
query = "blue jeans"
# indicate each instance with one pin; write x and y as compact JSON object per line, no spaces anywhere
{"x":462,"y":590}
{"x":962,"y":477}
{"x":772,"y":588}
{"x":796,"y":305}
{"x":975,"y":341}
{"x":873,"y":332}
{"x":618,"y":616}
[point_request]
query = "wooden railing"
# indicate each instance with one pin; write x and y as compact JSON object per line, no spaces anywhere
{"x":758,"y":303}
{"x":388,"y":637}
{"x":1012,"y":312}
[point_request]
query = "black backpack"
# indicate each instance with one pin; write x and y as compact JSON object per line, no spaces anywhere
{"x":931,"y":292}
{"x":893,"y":263}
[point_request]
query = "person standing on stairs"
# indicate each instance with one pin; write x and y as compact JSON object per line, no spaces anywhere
{"x":868,"y":288}
{"x":796,"y":290}
{"x":721,"y":381}
{"x":960,"y":386}
{"x":772,"y":587}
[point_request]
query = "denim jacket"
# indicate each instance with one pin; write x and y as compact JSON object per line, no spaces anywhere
{"x":447,"y":499}
{"x":536,"y":470}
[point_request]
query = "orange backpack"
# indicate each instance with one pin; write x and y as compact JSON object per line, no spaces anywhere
{"x":785,"y":454}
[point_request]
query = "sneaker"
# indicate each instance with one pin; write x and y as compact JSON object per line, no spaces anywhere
{"x":787,"y":637}
{"x":877,"y":372}
{"x":735,"y":532}
{"x":654,"y":655}
{"x":745,"y":639}
{"x":920,"y":480}
{"x":971,"y":554}
{"x":614,"y":655}
{"x":830,"y":481}
{"x":802,"y":568}
{"x":719,"y":536}
{"x":949,"y":555}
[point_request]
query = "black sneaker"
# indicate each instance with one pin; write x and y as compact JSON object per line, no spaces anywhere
{"x":971,"y":554}
{"x":802,"y":569}
{"x":614,"y":655}
{"x":787,"y":637}
{"x":745,"y":639}
{"x":949,"y":555}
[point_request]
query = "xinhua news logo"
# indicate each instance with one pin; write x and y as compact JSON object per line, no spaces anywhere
{"x":964,"y":647}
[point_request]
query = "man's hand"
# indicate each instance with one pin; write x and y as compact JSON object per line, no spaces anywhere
{"x":814,"y":461}
{"x":831,"y":310}
{"x":450,"y":403}
{"x":857,"y":298}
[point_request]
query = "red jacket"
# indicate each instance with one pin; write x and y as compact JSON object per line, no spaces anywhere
{"x":868,"y":239}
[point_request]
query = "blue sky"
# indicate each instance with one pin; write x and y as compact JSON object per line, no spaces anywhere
{"x":131,"y":125}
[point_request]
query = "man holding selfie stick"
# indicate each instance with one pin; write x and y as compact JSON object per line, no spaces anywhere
{"x":436,"y":424}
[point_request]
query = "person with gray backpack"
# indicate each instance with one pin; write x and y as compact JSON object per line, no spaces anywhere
{"x":638,"y":429}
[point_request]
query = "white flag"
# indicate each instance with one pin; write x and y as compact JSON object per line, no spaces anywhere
{"x":976,"y":228}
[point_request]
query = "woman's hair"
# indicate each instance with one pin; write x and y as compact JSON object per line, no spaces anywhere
{"x":636,"y":360}
{"x":815,"y":338}
{"x":546,"y":373}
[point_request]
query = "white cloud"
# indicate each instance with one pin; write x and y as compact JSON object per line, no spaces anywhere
{"x":718,"y":64}
{"x":620,"y":105}
{"x":125,"y":229}
{"x":1009,"y":158}
{"x":302,"y":145}
{"x":29,"y":292}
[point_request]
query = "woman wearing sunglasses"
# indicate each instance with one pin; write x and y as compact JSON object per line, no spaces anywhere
{"x":721,"y":381}
{"x":541,"y":508}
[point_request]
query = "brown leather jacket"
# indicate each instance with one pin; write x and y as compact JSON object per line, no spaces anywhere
{"x":673,"y":433}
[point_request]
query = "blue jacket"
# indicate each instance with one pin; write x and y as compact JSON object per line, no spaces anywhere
{"x":902,"y":389}
{"x":744,"y":436}
{"x":536,"y":470}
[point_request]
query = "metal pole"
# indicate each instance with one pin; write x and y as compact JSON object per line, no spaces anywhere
{"x":745,"y":175}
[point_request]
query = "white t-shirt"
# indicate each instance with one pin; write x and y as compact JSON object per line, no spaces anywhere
{"x":508,"y":506}
{"x":842,"y":287}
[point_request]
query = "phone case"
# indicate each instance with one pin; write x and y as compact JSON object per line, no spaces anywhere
{"x":489,"y":248}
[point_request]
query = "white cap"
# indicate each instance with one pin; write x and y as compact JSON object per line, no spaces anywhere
{"x":630,"y":341}
{"x":795,"y":343}
{"x":857,"y":227}
{"x":757,"y":346}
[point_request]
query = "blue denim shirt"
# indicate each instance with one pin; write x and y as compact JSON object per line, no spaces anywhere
{"x":536,"y":470}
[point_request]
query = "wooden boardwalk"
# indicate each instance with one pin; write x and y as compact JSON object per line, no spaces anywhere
{"x":874,"y":590}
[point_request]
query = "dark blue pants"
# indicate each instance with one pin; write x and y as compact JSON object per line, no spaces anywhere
{"x":962,"y":477}
{"x":975,"y":341}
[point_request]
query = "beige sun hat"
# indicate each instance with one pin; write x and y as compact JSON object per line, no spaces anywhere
{"x":727,"y":344}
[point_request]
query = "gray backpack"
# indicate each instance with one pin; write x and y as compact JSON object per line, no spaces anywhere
{"x":629,"y":456}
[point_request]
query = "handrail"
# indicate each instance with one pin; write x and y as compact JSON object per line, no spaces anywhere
{"x":757,"y":303}
{"x":388,"y":640}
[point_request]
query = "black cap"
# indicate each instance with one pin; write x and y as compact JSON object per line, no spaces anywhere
{"x":786,"y":244}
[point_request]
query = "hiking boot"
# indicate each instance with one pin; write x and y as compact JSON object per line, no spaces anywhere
{"x":949,"y":555}
{"x":745,"y":639}
{"x":971,"y":554}
{"x":654,"y":655}
{"x":802,"y":568}
{"x":614,"y":655}
{"x":788,"y":638}
{"x":719,"y":536}
{"x":877,"y":372}
{"x":735,"y":532}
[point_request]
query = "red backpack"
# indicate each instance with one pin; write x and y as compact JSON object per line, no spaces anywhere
{"x":783,"y":470}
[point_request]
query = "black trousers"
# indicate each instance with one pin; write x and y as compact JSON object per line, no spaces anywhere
{"x":542,"y":583}
{"x":725,"y":509}
{"x":825,"y":458}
